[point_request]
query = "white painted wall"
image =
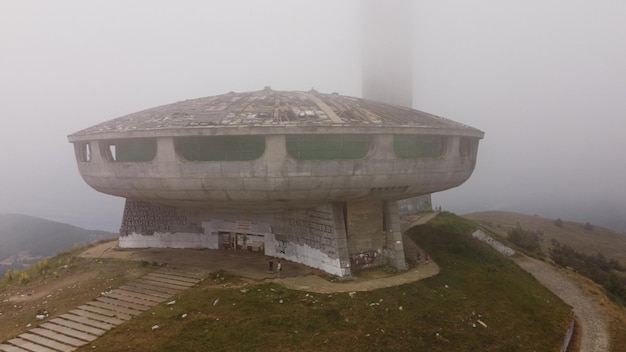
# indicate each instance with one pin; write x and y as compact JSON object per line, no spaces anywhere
{"x":169,"y":240}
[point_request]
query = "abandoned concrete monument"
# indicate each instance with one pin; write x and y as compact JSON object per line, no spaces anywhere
{"x":305,"y":176}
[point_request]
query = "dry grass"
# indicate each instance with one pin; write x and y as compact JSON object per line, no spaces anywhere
{"x":603,"y":240}
{"x":442,"y":313}
{"x":68,"y":282}
{"x":574,"y":234}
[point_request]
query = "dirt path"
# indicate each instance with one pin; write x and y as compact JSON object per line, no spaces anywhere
{"x":317,"y":284}
{"x":595,"y":337}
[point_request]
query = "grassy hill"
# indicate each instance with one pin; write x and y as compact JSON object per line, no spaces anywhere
{"x":25,"y":239}
{"x":581,"y":237}
{"x":476,"y":286}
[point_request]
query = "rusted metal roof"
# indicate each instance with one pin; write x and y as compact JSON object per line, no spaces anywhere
{"x":273,"y":108}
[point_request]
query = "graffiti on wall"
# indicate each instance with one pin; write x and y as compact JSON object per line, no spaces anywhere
{"x":362,"y":259}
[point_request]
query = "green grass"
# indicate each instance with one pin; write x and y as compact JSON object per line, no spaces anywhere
{"x":437,"y":314}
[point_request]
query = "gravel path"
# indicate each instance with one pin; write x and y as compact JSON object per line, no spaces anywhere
{"x":595,"y":337}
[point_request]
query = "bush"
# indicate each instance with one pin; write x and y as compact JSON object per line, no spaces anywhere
{"x":558,"y":223}
{"x":616,"y":288}
{"x":596,"y":267}
{"x":526,"y":239}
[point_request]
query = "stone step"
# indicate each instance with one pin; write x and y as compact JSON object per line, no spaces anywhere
{"x":184,"y":273}
{"x":59,"y":337}
{"x":44,"y":341}
{"x":122,"y":303}
{"x":95,"y":316}
{"x":161,"y":286}
{"x":80,"y":326}
{"x":135,"y":297}
{"x":84,"y":324}
{"x":87,"y":321}
{"x":106,"y":312}
{"x":153,"y":289}
{"x":168,"y":280}
{"x":175,"y":277}
{"x":11,"y":348}
{"x":69,"y":332}
{"x":29,"y":346}
{"x":113,"y":307}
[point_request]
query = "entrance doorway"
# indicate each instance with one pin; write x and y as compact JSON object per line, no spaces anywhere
{"x":237,"y":241}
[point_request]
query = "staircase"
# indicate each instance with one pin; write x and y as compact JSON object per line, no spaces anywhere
{"x":86,"y":323}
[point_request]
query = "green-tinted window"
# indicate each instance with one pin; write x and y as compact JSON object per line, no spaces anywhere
{"x":327,"y":146}
{"x":417,"y":146}
{"x":129,"y":150}
{"x":221,"y":148}
{"x":467,"y":146}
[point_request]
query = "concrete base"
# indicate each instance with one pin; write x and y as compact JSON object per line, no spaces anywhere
{"x":336,"y":238}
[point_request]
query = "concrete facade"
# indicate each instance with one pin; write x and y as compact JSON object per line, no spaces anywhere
{"x":336,"y":212}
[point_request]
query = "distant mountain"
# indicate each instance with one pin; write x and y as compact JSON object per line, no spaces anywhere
{"x":24,"y":239}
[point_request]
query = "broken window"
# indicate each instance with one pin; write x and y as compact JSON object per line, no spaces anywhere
{"x":468,"y":147}
{"x":220,"y":148}
{"x":409,"y":146}
{"x":83,"y":150}
{"x":327,"y":146}
{"x":129,"y":150}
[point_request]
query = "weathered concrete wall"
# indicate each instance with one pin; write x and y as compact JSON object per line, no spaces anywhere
{"x":276,"y":180}
{"x":168,"y":240}
{"x":365,"y":233}
{"x":394,"y":252}
{"x":315,"y":237}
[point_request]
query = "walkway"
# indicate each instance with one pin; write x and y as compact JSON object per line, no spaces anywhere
{"x":84,"y":324}
{"x":314,"y":283}
{"x":594,"y":337}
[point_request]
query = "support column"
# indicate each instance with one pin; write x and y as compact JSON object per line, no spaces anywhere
{"x":395,"y":246}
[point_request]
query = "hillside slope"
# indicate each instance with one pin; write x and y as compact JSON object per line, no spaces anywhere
{"x":25,"y":239}
{"x":582,"y":238}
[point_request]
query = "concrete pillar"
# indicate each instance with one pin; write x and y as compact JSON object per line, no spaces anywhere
{"x":395,"y":246}
{"x":364,"y":222}
{"x":165,"y":150}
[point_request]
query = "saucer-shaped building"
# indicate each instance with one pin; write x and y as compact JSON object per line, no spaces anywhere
{"x":309,"y":177}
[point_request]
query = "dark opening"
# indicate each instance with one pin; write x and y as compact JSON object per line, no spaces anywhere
{"x":220,"y":148}
{"x":418,"y":146}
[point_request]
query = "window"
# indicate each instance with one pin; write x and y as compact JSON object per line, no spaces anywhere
{"x":327,"y":147}
{"x":129,"y":150}
{"x":83,"y":151}
{"x":417,"y":146}
{"x":220,"y":148}
{"x":467,"y":147}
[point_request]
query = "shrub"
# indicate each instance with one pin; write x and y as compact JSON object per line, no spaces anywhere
{"x":558,"y":223}
{"x":23,"y":278}
{"x":526,"y":239}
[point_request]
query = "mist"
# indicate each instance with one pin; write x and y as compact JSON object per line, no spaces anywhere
{"x":544,"y":80}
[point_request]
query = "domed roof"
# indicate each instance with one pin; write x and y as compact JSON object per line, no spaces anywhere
{"x":268,"y":108}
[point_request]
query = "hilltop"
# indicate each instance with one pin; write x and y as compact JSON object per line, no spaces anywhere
{"x":480,"y":300}
{"x":583,"y":237}
{"x":25,"y":240}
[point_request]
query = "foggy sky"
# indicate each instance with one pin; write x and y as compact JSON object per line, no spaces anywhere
{"x":545,"y":80}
